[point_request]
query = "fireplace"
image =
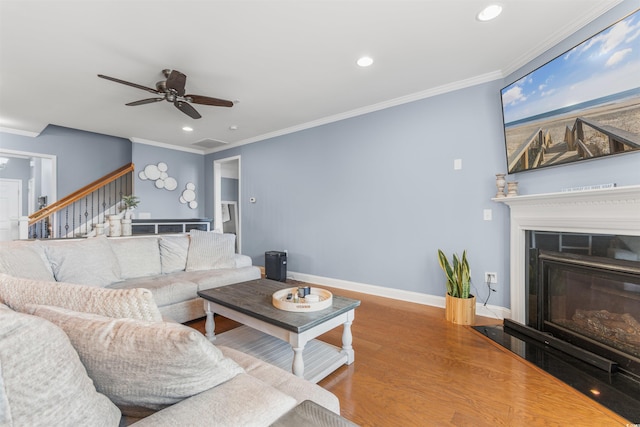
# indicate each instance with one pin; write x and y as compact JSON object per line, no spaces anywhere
{"x":575,"y":306}
{"x":592,"y":303}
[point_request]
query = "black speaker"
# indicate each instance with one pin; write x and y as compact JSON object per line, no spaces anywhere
{"x":275,"y":265}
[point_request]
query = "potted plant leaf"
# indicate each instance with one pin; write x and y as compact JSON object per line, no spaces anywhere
{"x":130,"y":203}
{"x":460,"y":305}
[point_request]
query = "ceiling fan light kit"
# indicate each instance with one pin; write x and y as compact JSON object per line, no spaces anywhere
{"x":173,"y":90}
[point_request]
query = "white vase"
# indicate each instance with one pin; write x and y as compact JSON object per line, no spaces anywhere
{"x":115,"y":226}
{"x":126,"y":227}
{"x":500,"y":183}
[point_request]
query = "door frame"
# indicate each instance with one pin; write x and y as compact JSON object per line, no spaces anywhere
{"x":51,"y":175}
{"x":15,"y":233}
{"x":217,"y":196}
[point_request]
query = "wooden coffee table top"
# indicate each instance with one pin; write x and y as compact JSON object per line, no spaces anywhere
{"x":254,"y":298}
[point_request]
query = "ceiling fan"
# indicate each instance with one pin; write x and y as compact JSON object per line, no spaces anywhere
{"x":172,"y":90}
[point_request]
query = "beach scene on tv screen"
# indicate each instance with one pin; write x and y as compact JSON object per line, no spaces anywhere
{"x":583,"y":104}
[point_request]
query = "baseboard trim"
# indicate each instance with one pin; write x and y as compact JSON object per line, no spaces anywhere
{"x":492,"y":311}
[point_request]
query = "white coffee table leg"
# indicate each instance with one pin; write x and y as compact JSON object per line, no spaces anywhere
{"x":347,"y":340}
{"x":209,"y":324}
{"x":298,"y":363}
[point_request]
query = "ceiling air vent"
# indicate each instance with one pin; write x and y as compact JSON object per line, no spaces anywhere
{"x":210,"y":143}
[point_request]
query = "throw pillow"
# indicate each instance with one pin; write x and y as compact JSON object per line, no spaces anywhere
{"x":210,"y":250}
{"x":25,"y":259}
{"x":86,"y":261}
{"x":140,"y":364}
{"x":42,"y":381}
{"x":173,"y":253}
{"x":137,"y":256}
{"x":134,"y":303}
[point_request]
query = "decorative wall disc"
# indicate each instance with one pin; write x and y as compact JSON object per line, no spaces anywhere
{"x":158,"y":173}
{"x":189,"y":195}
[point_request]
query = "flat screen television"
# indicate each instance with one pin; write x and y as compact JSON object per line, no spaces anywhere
{"x":584,"y":104}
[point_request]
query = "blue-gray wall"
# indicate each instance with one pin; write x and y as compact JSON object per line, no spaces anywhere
{"x":82,"y":157}
{"x":371,"y":199}
{"x":184,"y":167}
{"x":229,"y":189}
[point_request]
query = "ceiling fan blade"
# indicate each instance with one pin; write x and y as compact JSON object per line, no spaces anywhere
{"x":205,"y":100}
{"x":186,"y":108}
{"x":144,"y":101}
{"x":113,"y":79}
{"x":176,"y":81}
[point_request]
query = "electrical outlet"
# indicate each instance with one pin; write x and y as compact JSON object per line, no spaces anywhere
{"x":490,"y":278}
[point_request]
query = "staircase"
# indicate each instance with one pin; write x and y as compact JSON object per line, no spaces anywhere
{"x":77,"y":214}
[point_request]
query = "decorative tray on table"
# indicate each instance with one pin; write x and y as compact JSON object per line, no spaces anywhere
{"x":315,"y":300}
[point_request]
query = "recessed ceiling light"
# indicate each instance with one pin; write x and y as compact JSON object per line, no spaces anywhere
{"x":365,"y":61}
{"x":233,"y":127}
{"x":490,"y":12}
{"x":187,"y":129}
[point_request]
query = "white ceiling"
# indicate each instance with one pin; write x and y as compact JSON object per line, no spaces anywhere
{"x":288,"y":64}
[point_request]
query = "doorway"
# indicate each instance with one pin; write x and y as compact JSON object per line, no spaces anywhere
{"x":38,"y":175}
{"x":226,"y":190}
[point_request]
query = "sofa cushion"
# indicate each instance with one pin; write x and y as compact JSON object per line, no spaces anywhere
{"x":86,"y":261}
{"x":242,"y":261}
{"x":133,"y":303}
{"x":173,"y":253}
{"x":137,"y":256}
{"x":286,"y":382}
{"x":166,"y":288}
{"x":140,"y":364}
{"x":25,"y":259}
{"x":42,"y":381}
{"x":210,"y":250}
{"x":207,"y":279}
{"x":242,"y":401}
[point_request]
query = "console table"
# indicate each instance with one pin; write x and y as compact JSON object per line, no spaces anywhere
{"x":158,"y":226}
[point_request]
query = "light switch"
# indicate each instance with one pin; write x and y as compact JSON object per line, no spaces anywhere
{"x":488,"y":214}
{"x":457,"y":164}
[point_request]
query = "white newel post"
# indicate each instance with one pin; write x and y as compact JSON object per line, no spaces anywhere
{"x":23,"y":227}
{"x":605,"y":211}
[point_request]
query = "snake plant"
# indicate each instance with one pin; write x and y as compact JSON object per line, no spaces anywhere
{"x":458,"y":274}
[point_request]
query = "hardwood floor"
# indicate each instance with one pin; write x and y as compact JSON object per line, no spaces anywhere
{"x":413,"y":368}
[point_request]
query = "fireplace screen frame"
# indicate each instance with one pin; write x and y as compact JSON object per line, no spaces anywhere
{"x":621,"y":269}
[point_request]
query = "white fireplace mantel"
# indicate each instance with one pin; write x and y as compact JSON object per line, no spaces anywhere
{"x":604,"y":211}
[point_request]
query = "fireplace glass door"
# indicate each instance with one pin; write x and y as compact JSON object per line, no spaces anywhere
{"x":595,"y":305}
{"x":599,"y":245}
{"x":592,"y":303}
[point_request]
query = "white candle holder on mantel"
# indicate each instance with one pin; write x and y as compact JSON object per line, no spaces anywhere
{"x":512,"y":189}
{"x":500,"y":183}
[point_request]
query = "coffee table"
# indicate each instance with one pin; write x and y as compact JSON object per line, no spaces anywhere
{"x":282,"y":338}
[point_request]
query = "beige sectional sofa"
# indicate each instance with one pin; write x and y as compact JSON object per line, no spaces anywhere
{"x":173,"y":267}
{"x":102,"y":353}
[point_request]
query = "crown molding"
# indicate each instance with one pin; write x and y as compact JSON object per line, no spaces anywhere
{"x":439,"y":90}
